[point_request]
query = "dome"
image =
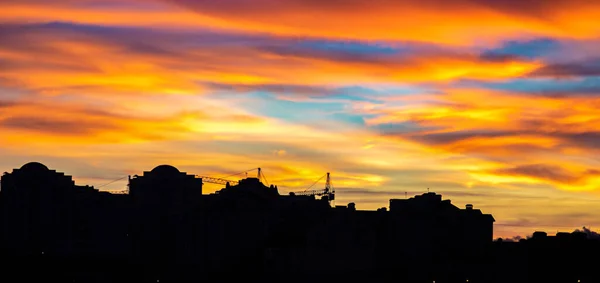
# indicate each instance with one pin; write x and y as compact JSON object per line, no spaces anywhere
{"x":165,"y":170}
{"x":34,"y":167}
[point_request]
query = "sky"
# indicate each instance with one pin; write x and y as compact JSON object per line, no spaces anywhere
{"x":492,"y":103}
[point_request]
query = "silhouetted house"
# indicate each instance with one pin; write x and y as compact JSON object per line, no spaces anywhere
{"x":477,"y":229}
{"x":103,"y":225}
{"x":162,"y":201}
{"x":249,"y":188}
{"x":562,"y":257}
{"x":2,"y":245}
{"x":293,"y":224}
{"x":427,"y":229}
{"x":40,"y":211}
{"x":346,"y":239}
{"x":250,"y":220}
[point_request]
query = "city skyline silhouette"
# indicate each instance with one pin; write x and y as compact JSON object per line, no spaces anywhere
{"x":164,"y":227}
{"x":120,"y":186}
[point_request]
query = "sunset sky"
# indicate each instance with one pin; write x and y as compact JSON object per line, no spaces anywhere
{"x":494,"y":103}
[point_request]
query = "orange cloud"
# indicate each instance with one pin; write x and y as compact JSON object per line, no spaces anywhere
{"x":384,"y":20}
{"x":57,"y":59}
{"x":451,"y":22}
{"x":50,"y":122}
{"x":529,"y":139}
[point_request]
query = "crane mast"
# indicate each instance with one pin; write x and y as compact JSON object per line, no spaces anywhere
{"x":328,"y":193}
{"x":328,"y":183}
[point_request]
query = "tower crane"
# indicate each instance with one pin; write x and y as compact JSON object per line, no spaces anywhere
{"x":223,"y":181}
{"x":328,"y":192}
{"x":219,"y":181}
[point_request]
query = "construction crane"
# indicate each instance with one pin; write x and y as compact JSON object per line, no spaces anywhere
{"x":328,"y":191}
{"x":223,"y":181}
{"x":120,"y":192}
{"x":219,"y":181}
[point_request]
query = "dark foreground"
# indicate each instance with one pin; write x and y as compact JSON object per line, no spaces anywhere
{"x":49,"y":269}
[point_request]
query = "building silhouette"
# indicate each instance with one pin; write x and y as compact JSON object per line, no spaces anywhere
{"x":162,"y":202}
{"x":40,"y":211}
{"x":165,"y":228}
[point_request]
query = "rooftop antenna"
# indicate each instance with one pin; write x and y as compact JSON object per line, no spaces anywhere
{"x":405,"y":195}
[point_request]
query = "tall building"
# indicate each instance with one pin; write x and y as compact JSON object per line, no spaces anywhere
{"x":163,"y":200}
{"x":40,"y":210}
{"x":438,"y":230}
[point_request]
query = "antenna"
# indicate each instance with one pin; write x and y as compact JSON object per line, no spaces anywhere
{"x":258,"y":175}
{"x":405,"y":195}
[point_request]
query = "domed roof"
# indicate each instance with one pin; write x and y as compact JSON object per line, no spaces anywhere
{"x":34,"y":167}
{"x":165,"y":170}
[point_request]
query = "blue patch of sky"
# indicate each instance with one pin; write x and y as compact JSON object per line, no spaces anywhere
{"x":401,"y":128}
{"x":384,"y":89}
{"x":589,"y":85}
{"x":351,"y":46}
{"x":356,"y":119}
{"x":376,"y":93}
{"x":537,"y":48}
{"x":265,"y":103}
{"x":355,"y":93}
{"x":372,"y":93}
{"x":333,"y":106}
{"x":304,"y":112}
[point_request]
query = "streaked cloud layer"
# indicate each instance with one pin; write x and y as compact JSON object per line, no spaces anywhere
{"x":487,"y":102}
